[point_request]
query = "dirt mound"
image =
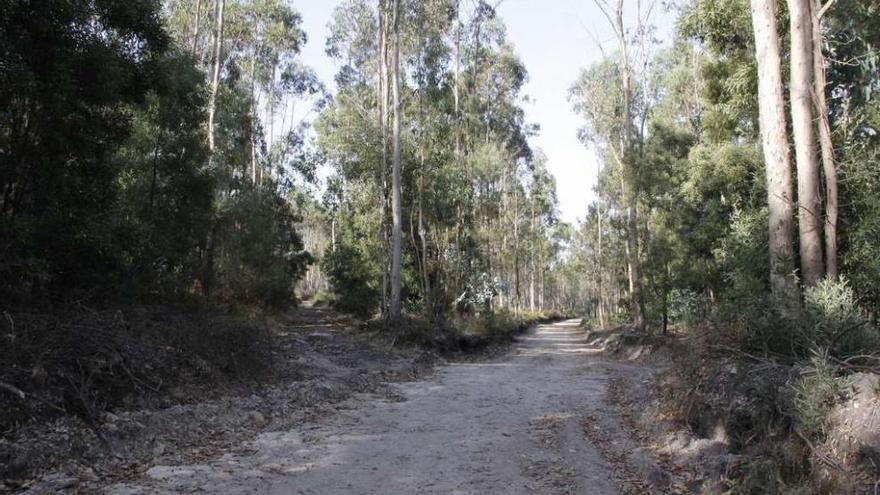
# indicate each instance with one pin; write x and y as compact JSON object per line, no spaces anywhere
{"x":853,"y":431}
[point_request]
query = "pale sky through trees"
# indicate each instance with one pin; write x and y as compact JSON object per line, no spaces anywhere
{"x":552,"y":38}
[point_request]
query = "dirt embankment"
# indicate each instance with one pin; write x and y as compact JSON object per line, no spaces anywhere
{"x":718,"y":420}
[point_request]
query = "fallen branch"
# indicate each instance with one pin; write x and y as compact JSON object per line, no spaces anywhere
{"x":14,"y":390}
{"x":23,"y":396}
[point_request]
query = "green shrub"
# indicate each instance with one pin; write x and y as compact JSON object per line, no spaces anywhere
{"x":815,"y":395}
{"x":833,"y":320}
{"x":260,"y":255}
{"x":323,"y":299}
{"x":353,"y":282}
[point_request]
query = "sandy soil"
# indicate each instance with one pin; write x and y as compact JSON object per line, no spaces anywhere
{"x":510,"y":425}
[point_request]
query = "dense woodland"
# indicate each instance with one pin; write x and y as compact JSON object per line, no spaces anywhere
{"x":171,"y":153}
{"x":155,"y":151}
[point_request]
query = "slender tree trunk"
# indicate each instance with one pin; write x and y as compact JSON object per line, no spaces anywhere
{"x":253,"y":137}
{"x":541,"y":287}
{"x":270,"y":137}
{"x":455,"y":82}
{"x":216,"y":63}
{"x":516,"y":300}
{"x":155,"y":173}
{"x":383,"y":169}
{"x":628,"y":178}
{"x":777,"y":158}
{"x":599,"y":262}
{"x":396,"y":233}
{"x":533,"y":255}
{"x":423,"y":235}
{"x":804,"y":131}
{"x":828,"y":163}
{"x":196,"y":27}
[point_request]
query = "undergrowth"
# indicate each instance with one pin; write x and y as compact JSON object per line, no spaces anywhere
{"x":771,"y":378}
{"x":84,"y":362}
{"x":463,"y":333}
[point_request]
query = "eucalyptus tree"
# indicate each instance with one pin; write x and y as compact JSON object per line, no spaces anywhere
{"x":804,"y":132}
{"x":619,"y":124}
{"x":396,"y":213}
{"x":464,"y":156}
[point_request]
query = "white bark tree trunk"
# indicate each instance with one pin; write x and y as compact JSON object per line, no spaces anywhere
{"x":829,"y":166}
{"x":196,"y":26}
{"x":216,"y":63}
{"x":804,"y":131}
{"x":383,"y":172}
{"x":777,"y":158}
{"x":396,"y":223}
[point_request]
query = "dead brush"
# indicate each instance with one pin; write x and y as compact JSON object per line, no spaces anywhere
{"x":83,"y":361}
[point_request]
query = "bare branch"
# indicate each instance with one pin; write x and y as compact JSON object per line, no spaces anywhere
{"x":603,"y":7}
{"x":593,"y":37}
{"x":825,"y":8}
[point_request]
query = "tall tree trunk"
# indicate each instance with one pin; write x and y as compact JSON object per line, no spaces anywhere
{"x":423,"y":235}
{"x":383,"y":169}
{"x":396,"y":232}
{"x":777,"y":158}
{"x":532,"y":253}
{"x":253,"y":129}
{"x":601,"y":299}
{"x":628,"y":177}
{"x":455,"y":82}
{"x":516,"y":300}
{"x":216,"y":62}
{"x":196,"y":27}
{"x":829,"y":166}
{"x":804,"y":131}
{"x":541,"y":288}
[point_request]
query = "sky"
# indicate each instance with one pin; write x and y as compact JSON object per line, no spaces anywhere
{"x":555,"y":39}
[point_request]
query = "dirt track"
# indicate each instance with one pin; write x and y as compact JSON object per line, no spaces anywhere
{"x":512,"y":425}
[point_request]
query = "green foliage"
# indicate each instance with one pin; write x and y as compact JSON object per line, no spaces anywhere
{"x":478,"y":206}
{"x":67,"y":93}
{"x":816,"y":393}
{"x":261,"y":254}
{"x":353,"y":282}
{"x":165,"y":191}
{"x":834,"y":320}
{"x":860,"y":213}
{"x":108,"y":189}
{"x":324,"y":299}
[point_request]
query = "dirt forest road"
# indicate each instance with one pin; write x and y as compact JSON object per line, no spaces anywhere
{"x":510,"y":425}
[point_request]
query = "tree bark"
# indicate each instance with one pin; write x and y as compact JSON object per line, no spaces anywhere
{"x":599,"y":262}
{"x":383,"y":169}
{"x":196,"y":27}
{"x":804,"y":132}
{"x":532,"y":265}
{"x":777,"y":158}
{"x":216,"y":62}
{"x":455,"y":82}
{"x":627,"y":178}
{"x":396,"y":232}
{"x":829,"y":166}
{"x":253,"y":129}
